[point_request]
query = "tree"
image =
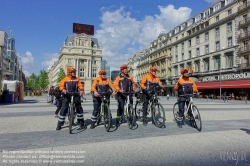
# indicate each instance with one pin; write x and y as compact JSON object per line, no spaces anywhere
{"x":61,"y":75}
{"x":32,"y":82}
{"x":43,"y":79}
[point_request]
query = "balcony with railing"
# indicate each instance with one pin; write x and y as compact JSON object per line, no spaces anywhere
{"x":244,"y":7}
{"x":245,"y":49}
{"x":244,"y":35}
{"x":245,"y":22}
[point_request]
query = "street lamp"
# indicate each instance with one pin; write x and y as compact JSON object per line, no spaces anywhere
{"x":220,"y":80}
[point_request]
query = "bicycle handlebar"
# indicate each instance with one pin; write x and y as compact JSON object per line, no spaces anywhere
{"x":73,"y":93}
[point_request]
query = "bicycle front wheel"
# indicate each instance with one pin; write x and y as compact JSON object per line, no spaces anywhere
{"x":106,"y":117}
{"x":158,"y":114}
{"x":71,"y":118}
{"x":130,"y":116}
{"x":197,"y":118}
{"x":138,"y":110}
{"x":176,"y":112}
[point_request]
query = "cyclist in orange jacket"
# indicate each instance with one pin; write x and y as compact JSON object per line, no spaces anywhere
{"x":100,"y":84}
{"x":70,"y":83}
{"x":123,"y":83}
{"x":184,"y":85}
{"x":148,"y":84}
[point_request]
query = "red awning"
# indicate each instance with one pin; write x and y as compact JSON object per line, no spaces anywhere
{"x":224,"y":84}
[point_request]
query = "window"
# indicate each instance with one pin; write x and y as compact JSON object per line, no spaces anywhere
{"x":230,"y":61}
{"x":176,"y":49}
{"x":206,"y":36}
{"x":94,"y":73}
{"x":189,"y":55}
{"x":217,"y":63}
{"x":206,"y":64}
{"x":182,"y":56}
{"x":94,"y":62}
{"x":229,"y":12}
{"x":176,"y":58}
{"x":81,"y":72}
{"x":217,"y":7}
{"x":176,"y":71}
{"x":176,"y":38}
{"x":197,"y":39}
{"x":217,"y":31}
{"x":207,"y":49}
{"x":244,"y":19}
{"x":82,"y":43}
{"x":190,"y":22}
{"x":229,"y":27}
{"x":229,"y":1}
{"x":182,"y":46}
{"x":197,"y":18}
{"x":197,"y":66}
{"x":176,"y":30}
{"x":206,"y":13}
{"x":82,"y":51}
{"x":69,"y":60}
{"x":245,"y":3}
{"x":245,"y":31}
{"x":189,"y":43}
{"x":197,"y":51}
{"x":81,"y":61}
{"x":217,"y":45}
{"x":183,"y":26}
{"x":246,"y":46}
{"x":230,"y":42}
{"x":183,"y":35}
{"x":217,"y":18}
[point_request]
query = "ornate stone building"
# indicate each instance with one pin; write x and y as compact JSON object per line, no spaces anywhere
{"x":82,"y":52}
{"x":214,"y":44}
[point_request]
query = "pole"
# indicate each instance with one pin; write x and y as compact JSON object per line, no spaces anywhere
{"x":220,"y":84}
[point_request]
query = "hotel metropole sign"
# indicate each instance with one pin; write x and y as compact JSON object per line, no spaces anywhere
{"x":227,"y":77}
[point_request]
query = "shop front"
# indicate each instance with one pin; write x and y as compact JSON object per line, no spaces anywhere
{"x":237,"y":84}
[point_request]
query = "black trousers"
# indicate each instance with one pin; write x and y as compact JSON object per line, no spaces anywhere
{"x":146,"y":98}
{"x":64,"y":110}
{"x":121,"y":103}
{"x":181,"y":104}
{"x":59,"y":106}
{"x":97,"y":101}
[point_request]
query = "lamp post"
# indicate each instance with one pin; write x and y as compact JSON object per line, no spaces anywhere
{"x":220,"y":83}
{"x":220,"y":80}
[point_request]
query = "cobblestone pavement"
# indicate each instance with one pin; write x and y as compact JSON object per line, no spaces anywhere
{"x":28,"y":137}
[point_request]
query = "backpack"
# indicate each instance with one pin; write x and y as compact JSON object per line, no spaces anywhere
{"x":57,"y":92}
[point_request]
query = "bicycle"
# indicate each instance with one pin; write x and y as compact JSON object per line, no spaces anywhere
{"x":156,"y":110}
{"x":72,"y":109}
{"x":138,"y":105}
{"x":128,"y":108}
{"x":194,"y":112}
{"x":105,"y":111}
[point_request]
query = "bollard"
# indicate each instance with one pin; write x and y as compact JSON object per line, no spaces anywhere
{"x":207,"y":98}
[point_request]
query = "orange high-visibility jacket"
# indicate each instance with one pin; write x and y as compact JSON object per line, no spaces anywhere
{"x":125,"y":83}
{"x":185,"y":86}
{"x":101,"y":85}
{"x":71,"y":84}
{"x":149,"y":81}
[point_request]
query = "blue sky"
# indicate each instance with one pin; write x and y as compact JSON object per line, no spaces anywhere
{"x":122,"y":27}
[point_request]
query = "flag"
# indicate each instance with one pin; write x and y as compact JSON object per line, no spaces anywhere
{"x":193,"y":69}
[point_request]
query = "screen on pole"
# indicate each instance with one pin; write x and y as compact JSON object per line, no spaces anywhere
{"x":83,"y":28}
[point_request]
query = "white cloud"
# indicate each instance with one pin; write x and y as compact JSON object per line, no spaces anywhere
{"x":211,"y":1}
{"x":121,"y":35}
{"x":27,"y":60}
{"x":50,"y":58}
{"x":27,"y":74}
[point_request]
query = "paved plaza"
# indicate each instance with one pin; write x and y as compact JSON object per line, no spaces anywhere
{"x":28,"y":137}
